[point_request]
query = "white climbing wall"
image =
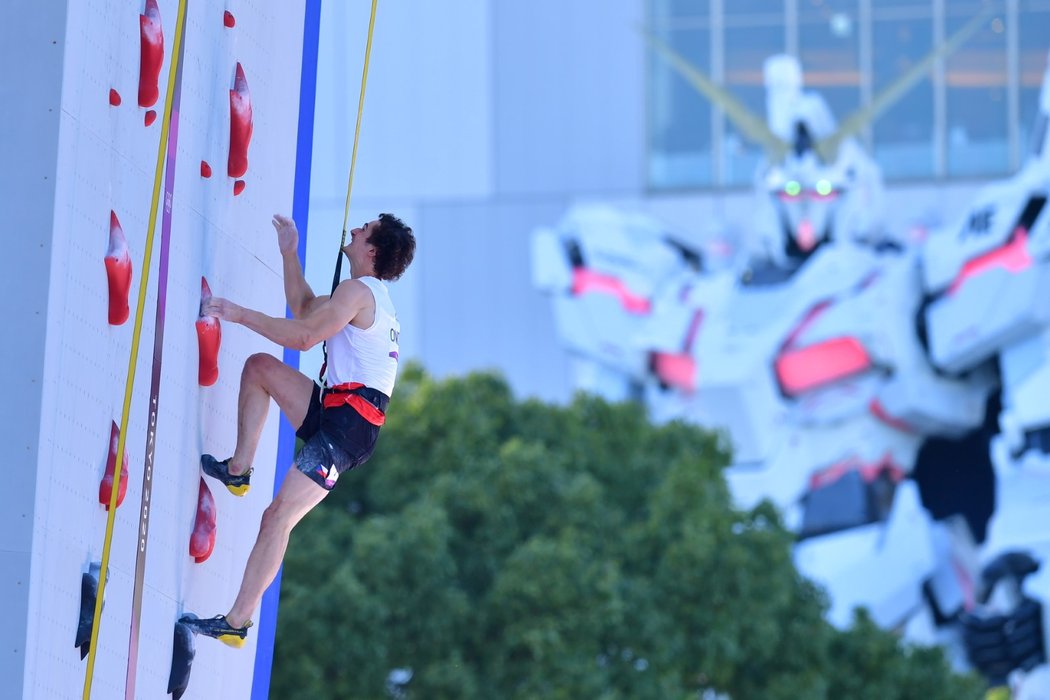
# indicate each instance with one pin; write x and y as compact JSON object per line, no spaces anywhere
{"x":96,"y":158}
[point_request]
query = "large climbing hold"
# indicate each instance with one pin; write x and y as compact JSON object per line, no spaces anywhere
{"x":118,"y":272}
{"x":88,"y":595}
{"x":202,"y":541}
{"x":182,"y":654}
{"x":105,"y":487}
{"x":151,"y":46}
{"x":240,"y":125}
{"x":209,"y":338}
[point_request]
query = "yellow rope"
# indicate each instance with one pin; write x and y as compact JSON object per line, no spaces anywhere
{"x":133,"y":359}
{"x":360,"y":109}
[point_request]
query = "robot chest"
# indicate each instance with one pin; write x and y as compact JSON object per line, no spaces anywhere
{"x":833,"y":343}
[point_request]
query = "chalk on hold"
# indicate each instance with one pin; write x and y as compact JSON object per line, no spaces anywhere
{"x":209,"y":338}
{"x":118,"y":272}
{"x":114,"y":97}
{"x":238,"y":187}
{"x":202,"y":541}
{"x":228,"y":19}
{"x":240,"y":125}
{"x":88,"y":595}
{"x":182,"y":653}
{"x":151,"y":54}
{"x":105,"y":488}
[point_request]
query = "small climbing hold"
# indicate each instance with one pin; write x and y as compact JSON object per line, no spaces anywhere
{"x":150,"y":117}
{"x":240,"y":125}
{"x":205,"y":169}
{"x":118,"y":272}
{"x":151,"y":54}
{"x":114,"y":97}
{"x":88,"y":595}
{"x":105,"y":488}
{"x":238,"y":187}
{"x":202,"y":541}
{"x":228,"y":19}
{"x":209,"y":338}
{"x":182,"y":653}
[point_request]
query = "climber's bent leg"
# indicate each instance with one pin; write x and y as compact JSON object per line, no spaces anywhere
{"x":264,"y":376}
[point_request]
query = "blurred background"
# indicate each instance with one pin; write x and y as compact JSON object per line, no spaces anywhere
{"x":484,"y":120}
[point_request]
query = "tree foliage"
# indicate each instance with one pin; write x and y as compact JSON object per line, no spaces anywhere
{"x":505,"y":549}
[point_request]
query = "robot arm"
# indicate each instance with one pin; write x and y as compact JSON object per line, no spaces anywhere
{"x":987,"y":285}
{"x":608,"y":273}
{"x":987,"y":279}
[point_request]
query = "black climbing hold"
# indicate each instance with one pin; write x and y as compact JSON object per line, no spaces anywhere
{"x":181,"y":660}
{"x":88,"y":594}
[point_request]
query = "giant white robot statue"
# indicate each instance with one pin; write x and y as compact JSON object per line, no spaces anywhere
{"x":857,"y":377}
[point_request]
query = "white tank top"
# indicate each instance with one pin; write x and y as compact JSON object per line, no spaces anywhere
{"x":368,"y":355}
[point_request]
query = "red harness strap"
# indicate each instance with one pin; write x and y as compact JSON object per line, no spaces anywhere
{"x":344,"y":394}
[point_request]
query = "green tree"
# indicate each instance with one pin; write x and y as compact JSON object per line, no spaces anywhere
{"x":497,"y":548}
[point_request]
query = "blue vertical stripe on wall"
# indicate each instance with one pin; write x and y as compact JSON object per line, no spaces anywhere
{"x":267,"y":626}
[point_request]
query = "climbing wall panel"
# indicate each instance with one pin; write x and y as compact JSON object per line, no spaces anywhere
{"x":107,"y":156}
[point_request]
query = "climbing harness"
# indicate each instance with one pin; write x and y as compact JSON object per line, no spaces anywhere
{"x":368,"y":402}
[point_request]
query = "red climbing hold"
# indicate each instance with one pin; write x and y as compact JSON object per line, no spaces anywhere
{"x":150,"y":117}
{"x":238,"y":187}
{"x":114,"y":97}
{"x":205,"y":169}
{"x":202,"y":541}
{"x":228,"y":20}
{"x":240,"y":125}
{"x":118,"y":272}
{"x":105,"y":488}
{"x":151,"y":46}
{"x":209,"y":338}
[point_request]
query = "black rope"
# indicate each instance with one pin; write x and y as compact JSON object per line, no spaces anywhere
{"x":324,"y":344}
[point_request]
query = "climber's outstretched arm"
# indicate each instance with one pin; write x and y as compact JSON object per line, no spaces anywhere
{"x":326,"y":317}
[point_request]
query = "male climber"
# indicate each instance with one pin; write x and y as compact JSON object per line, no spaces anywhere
{"x":339,"y":425}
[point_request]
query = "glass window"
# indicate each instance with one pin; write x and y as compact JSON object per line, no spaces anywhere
{"x":976,"y":130}
{"x":681,"y":9}
{"x":903,"y":136}
{"x":679,"y":117}
{"x":750,"y":38}
{"x":829,"y":50}
{"x":977,"y":137}
{"x":1034,"y":43}
{"x":762,"y":11}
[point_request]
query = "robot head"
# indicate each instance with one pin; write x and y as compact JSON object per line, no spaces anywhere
{"x":818,"y":198}
{"x":809,"y":182}
{"x":805,"y":194}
